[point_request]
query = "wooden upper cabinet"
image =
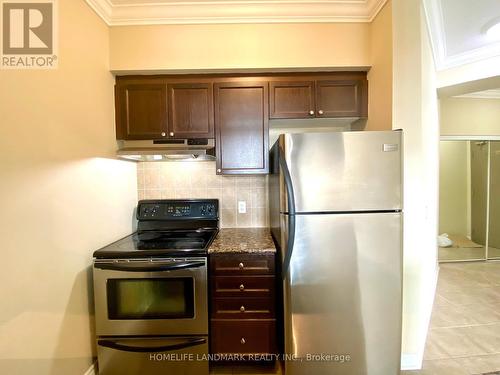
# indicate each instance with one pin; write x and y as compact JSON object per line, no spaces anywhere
{"x":341,"y":98}
{"x":141,"y":111}
{"x":291,"y":99}
{"x":241,"y":123}
{"x":332,"y":95}
{"x":190,"y":112}
{"x":194,"y":106}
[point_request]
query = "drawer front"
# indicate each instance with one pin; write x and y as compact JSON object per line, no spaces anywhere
{"x":243,"y":286}
{"x":242,"y":264}
{"x":243,"y":308}
{"x":243,"y":337}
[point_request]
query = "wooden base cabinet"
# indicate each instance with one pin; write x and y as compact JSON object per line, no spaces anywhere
{"x":244,"y":336}
{"x":243,"y":304}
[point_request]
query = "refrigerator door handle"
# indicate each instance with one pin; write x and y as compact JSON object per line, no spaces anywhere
{"x":291,"y":211}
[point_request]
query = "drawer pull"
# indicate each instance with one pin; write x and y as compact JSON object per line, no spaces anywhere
{"x":242,"y":287}
{"x":242,"y":308}
{"x":243,"y":341}
{"x":241,"y":266}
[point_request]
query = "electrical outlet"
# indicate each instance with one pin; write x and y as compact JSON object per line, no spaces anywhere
{"x":242,"y":207}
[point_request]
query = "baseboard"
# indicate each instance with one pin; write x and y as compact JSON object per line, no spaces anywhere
{"x":92,"y":369}
{"x":413,"y":361}
{"x":410,"y":362}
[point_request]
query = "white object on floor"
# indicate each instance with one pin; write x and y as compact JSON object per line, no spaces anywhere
{"x":444,"y":241}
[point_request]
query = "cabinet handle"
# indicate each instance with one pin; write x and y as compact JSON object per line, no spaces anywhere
{"x":320,"y":112}
{"x":163,"y":134}
{"x":241,"y":266}
{"x":219,"y":170}
{"x":311,"y":113}
{"x":242,"y":287}
{"x":171,"y":134}
{"x":242,"y":308}
{"x":243,"y":341}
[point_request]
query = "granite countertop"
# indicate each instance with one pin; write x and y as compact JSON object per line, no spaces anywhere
{"x":243,"y":240}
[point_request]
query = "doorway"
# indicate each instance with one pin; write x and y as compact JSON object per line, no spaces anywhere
{"x":469,"y":197}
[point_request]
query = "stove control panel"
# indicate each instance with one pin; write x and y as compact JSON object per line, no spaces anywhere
{"x":173,"y":209}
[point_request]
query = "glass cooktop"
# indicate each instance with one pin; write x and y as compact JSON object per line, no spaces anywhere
{"x":160,"y":243}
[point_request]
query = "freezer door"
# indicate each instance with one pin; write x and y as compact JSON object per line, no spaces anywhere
{"x":344,"y":171}
{"x":343,"y":295}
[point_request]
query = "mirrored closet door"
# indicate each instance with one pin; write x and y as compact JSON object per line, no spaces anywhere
{"x":469,"y":198}
{"x":494,"y":202}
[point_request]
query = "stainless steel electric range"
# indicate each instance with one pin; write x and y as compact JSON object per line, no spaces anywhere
{"x":151,"y":294}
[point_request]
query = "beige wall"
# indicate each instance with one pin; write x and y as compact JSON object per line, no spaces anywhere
{"x":470,"y":116}
{"x":239,"y":46}
{"x":166,"y":180}
{"x":61,"y":198}
{"x":380,"y":75}
{"x":265,"y":46}
{"x":454,"y":187}
{"x":415,"y":110}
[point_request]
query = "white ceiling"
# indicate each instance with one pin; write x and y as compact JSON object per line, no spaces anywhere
{"x":457,"y":29}
{"x":148,"y":12}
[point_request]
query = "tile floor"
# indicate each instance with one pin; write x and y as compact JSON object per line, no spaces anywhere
{"x":464,"y":336}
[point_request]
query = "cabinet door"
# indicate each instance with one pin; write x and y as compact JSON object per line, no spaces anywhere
{"x":241,"y":127}
{"x":292,"y":99}
{"x":342,"y":98}
{"x":141,"y":111}
{"x":190,"y":110}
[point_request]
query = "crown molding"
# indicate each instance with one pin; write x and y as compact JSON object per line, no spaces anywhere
{"x":224,"y":12}
{"x":442,"y":59}
{"x":487,"y":94}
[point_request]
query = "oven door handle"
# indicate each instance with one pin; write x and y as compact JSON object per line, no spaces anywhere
{"x":148,"y":349}
{"x":148,"y":267}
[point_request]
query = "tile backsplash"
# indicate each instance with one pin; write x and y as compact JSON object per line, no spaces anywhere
{"x":169,"y":180}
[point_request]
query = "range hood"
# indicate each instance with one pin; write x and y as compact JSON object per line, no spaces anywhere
{"x":167,"y":150}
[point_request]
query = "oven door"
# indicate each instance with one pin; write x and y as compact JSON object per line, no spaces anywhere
{"x":151,"y":296}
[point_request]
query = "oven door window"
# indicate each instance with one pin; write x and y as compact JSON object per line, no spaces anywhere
{"x":156,"y":298}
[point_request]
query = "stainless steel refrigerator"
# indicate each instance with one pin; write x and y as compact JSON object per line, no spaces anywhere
{"x":336,"y":214}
